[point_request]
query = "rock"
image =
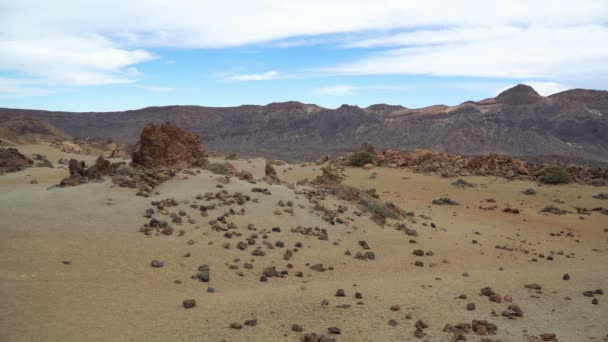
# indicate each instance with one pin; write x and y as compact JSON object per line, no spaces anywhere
{"x":595,"y":301}
{"x":340,"y":293}
{"x":11,"y":160}
{"x":418,"y":252}
{"x":420,"y":324}
{"x":566,"y":277}
{"x":548,"y":337}
{"x":317,"y":267}
{"x":533,"y":286}
{"x":395,"y":307}
{"x":204,"y":275}
{"x":419,"y":333}
{"x":251,"y":322}
{"x":392,"y":322}
{"x":296,"y":328}
{"x":156,"y":263}
{"x":471,"y":306}
{"x":236,"y":325}
{"x":334,"y":330}
{"x":189,"y":303}
{"x":168,"y":145}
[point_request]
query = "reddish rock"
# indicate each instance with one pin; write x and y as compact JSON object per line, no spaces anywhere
{"x":168,"y":145}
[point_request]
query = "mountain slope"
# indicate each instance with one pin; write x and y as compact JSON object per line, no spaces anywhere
{"x":518,"y":121}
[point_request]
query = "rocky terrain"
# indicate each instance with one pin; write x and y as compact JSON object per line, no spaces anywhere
{"x":518,"y":121}
{"x":378,"y":245}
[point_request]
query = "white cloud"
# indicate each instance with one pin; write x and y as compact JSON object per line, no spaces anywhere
{"x":269,"y":75}
{"x":338,"y":90}
{"x":22,"y":87}
{"x":349,"y":90}
{"x":74,"y":42}
{"x":530,"y":53}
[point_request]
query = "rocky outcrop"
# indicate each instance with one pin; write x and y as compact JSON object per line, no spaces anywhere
{"x":449,"y":165}
{"x":11,"y":160}
{"x":168,"y":145}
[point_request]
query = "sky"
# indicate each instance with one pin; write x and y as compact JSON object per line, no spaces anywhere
{"x":111,"y":55}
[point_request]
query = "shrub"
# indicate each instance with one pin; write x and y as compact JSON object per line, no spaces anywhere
{"x":367,"y":147}
{"x":597,"y":182}
{"x":554,"y":174}
{"x":461,"y":183}
{"x":218,"y":169}
{"x":529,"y":191}
{"x":601,"y":195}
{"x":377,"y":207}
{"x":361,"y":158}
{"x":444,"y":201}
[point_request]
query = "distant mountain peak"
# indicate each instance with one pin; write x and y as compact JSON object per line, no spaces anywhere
{"x":520,"y":94}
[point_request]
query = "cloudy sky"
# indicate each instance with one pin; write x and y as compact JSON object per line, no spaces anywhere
{"x":99,"y":55}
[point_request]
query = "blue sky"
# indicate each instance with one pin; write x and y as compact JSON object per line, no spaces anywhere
{"x":116,"y":55}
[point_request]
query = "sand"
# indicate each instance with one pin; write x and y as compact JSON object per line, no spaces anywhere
{"x":109,"y":292}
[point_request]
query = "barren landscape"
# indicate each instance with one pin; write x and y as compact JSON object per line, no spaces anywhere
{"x":241,"y":249}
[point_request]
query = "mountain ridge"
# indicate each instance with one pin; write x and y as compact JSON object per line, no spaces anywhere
{"x":518,"y":121}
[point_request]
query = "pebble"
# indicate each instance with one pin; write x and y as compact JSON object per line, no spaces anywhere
{"x":156,"y":263}
{"x":189,"y":303}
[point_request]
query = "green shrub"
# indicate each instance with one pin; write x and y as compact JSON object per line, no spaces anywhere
{"x":597,"y":182}
{"x":377,"y":207}
{"x":367,"y":147}
{"x":554,"y":174}
{"x":218,"y":169}
{"x":361,"y":158}
{"x":529,"y":191}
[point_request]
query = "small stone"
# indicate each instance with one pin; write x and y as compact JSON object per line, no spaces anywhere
{"x":392,"y":322}
{"x":156,"y":263}
{"x":296,"y":328}
{"x":395,"y":307}
{"x":189,"y":303}
{"x":595,"y":301}
{"x":334,"y":330}
{"x":548,"y":337}
{"x":471,"y":306}
{"x":340,"y":293}
{"x":533,"y":286}
{"x":236,"y":325}
{"x":251,"y":322}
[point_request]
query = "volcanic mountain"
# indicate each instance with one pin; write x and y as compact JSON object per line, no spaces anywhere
{"x":519,"y":121}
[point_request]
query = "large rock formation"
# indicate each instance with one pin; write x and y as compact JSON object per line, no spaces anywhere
{"x":168,"y":145}
{"x":11,"y":160}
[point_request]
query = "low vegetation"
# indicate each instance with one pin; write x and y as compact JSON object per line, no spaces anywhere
{"x":218,"y":169}
{"x":377,"y":207}
{"x":597,"y":182}
{"x":461,"y":183}
{"x":529,"y":192}
{"x":554,"y":174}
{"x":361,"y":158}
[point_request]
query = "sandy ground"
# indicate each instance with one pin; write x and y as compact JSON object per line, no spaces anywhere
{"x":109,"y":292}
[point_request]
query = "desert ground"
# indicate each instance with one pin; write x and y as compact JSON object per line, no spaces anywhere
{"x":74,"y":265}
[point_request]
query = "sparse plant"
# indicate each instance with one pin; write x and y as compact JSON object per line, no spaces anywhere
{"x":554,"y":174}
{"x":529,"y":192}
{"x":361,"y":158}
{"x":553,"y":210}
{"x":377,"y":207}
{"x":597,"y":182}
{"x":218,"y":169}
{"x":461,"y":183}
{"x":367,"y":147}
{"x":125,"y":170}
{"x":444,"y":201}
{"x":601,"y":195}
